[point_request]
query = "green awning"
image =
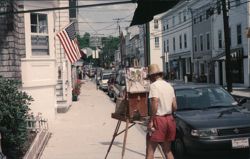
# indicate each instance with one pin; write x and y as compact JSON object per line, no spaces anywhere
{"x":147,"y":9}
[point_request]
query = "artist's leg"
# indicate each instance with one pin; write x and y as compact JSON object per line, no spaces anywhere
{"x":150,"y":150}
{"x":166,"y":148}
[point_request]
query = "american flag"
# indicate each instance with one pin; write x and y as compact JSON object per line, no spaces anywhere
{"x":69,"y":42}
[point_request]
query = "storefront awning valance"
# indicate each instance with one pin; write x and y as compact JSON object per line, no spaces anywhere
{"x":147,"y":9}
{"x":236,"y":53}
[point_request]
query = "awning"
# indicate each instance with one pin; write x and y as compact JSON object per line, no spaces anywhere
{"x":147,"y":9}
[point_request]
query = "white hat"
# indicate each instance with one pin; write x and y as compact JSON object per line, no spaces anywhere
{"x":153,"y":69}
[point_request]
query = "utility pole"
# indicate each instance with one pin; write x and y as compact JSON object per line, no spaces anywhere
{"x":121,"y":38}
{"x":227,"y":46}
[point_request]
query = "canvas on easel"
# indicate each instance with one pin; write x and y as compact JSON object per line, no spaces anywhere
{"x":134,"y":105}
{"x":137,"y":88}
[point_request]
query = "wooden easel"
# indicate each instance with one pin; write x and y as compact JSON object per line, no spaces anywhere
{"x":127,"y":127}
{"x":117,"y":133}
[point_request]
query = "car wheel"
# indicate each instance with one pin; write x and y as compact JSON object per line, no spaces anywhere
{"x":179,"y":149}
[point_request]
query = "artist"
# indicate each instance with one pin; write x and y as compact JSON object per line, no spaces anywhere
{"x":161,"y":126}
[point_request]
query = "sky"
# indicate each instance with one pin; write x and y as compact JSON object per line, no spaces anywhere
{"x":103,"y":21}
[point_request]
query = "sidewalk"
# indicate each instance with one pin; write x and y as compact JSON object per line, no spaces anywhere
{"x":243,"y":92}
{"x":85,"y":131}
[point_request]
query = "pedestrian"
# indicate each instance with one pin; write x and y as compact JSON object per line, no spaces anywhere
{"x":161,"y":126}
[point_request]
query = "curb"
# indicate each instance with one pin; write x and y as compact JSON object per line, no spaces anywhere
{"x":240,"y":96}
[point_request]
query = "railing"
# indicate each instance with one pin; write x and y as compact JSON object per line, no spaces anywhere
{"x":39,"y":126}
{"x":36,"y":123}
{"x":1,"y":153}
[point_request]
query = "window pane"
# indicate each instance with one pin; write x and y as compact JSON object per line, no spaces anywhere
{"x":180,"y":40}
{"x":173,"y":43}
{"x":185,"y":40}
{"x":33,"y":21}
{"x":43,"y":23}
{"x":33,"y":28}
{"x":40,"y":45}
{"x":201,"y":43}
{"x":239,"y":34}
{"x":208,"y":42}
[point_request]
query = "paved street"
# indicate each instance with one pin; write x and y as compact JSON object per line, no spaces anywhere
{"x":85,"y":131}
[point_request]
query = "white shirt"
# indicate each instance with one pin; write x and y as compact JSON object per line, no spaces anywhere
{"x":165,"y":94}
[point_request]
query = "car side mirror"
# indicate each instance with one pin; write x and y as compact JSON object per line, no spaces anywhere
{"x":242,"y":101}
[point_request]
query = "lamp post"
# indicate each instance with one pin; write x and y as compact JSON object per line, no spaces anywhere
{"x":248,"y":50}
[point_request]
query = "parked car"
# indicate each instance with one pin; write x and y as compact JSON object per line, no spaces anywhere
{"x":209,"y":119}
{"x":120,"y":85}
{"x":102,"y":71}
{"x":92,"y":72}
{"x":111,"y":83}
{"x":103,"y":84}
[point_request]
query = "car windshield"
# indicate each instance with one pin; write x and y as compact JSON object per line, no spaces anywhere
{"x":203,"y":98}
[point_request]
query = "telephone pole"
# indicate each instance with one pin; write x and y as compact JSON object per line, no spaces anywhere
{"x":121,"y":38}
{"x":227,"y":45}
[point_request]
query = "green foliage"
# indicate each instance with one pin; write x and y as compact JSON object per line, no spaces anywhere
{"x":14,"y":106}
{"x":83,"y":41}
{"x":110,"y":45}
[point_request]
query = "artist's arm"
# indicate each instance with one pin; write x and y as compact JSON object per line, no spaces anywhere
{"x":154,"y":106}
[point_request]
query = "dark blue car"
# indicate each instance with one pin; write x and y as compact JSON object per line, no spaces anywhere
{"x":209,"y":119}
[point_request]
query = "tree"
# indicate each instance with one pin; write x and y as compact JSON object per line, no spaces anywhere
{"x":84,"y":41}
{"x":110,"y":45}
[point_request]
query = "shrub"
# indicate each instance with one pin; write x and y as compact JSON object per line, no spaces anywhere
{"x":14,"y":107}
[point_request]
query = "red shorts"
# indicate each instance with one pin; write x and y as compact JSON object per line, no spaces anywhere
{"x":165,"y":129}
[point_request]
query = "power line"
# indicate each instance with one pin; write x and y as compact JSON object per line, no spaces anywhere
{"x":63,"y":8}
{"x":125,"y":21}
